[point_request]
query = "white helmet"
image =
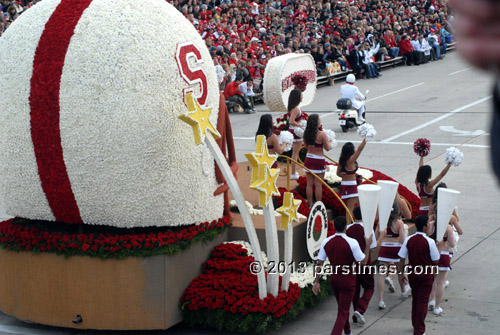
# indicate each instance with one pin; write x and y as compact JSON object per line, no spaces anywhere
{"x":350,"y":78}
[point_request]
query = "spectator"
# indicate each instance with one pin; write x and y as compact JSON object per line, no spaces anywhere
{"x":434,"y":43}
{"x":219,"y":71}
{"x":391,"y":42}
{"x":352,"y":57}
{"x":242,"y":71}
{"x":383,"y":53}
{"x":419,"y":51}
{"x":232,"y":93}
{"x":431,"y":53}
{"x":337,"y":50}
{"x":406,"y":49}
{"x":318,"y":59}
{"x":246,"y":88}
{"x":366,"y":55}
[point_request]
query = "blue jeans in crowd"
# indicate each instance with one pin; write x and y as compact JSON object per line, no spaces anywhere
{"x":436,"y":48}
{"x":394,"y":52}
{"x":371,"y":70}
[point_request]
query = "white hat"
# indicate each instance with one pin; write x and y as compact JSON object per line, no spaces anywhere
{"x":350,"y":78}
{"x":254,"y":39}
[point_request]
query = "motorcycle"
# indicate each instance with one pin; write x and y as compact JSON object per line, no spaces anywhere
{"x":348,"y":115}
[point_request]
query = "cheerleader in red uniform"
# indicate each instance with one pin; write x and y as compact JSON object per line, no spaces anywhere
{"x":444,"y":246}
{"x":390,"y":241}
{"x":425,"y":186}
{"x":346,"y":170}
{"x":316,"y":140}
{"x":266,"y":129}
{"x":296,"y":115}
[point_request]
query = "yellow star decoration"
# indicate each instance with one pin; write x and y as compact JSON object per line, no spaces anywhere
{"x":199,"y":119}
{"x":260,"y":156}
{"x":266,"y":184}
{"x":289,"y":210}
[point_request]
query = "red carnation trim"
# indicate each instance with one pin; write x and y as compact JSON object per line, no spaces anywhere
{"x":300,"y":82}
{"x":422,"y":147}
{"x":332,"y":202}
{"x":15,"y":235}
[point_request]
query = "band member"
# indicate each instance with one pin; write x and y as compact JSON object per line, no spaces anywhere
{"x":422,"y":255}
{"x":343,"y":252}
{"x":364,"y":277}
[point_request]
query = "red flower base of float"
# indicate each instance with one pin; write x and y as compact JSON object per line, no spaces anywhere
{"x":42,"y":236}
{"x":225,"y":296}
{"x":331,"y":201}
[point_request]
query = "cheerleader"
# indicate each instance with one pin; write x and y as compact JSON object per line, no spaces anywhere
{"x":266,"y":129}
{"x":425,"y":186}
{"x":390,"y":241}
{"x":444,"y":246}
{"x":296,"y":115}
{"x":316,"y":140}
{"x":346,"y":170}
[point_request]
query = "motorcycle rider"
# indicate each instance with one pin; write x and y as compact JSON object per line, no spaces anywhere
{"x":351,"y":92}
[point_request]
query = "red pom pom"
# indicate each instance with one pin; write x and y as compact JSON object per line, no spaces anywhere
{"x":422,"y":147}
{"x":300,"y":82}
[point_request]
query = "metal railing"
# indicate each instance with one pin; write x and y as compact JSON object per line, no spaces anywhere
{"x":289,"y":159}
{"x":371,"y":181}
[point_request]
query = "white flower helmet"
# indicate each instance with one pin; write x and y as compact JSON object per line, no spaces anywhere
{"x":350,"y":78}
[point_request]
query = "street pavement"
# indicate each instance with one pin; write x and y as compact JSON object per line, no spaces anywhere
{"x":450,"y":104}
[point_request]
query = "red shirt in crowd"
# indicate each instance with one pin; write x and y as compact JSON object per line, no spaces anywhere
{"x":390,"y":41}
{"x":405,"y":47}
{"x":231,"y":89}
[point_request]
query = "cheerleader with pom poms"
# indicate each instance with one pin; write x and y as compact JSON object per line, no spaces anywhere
{"x":316,"y":140}
{"x":348,"y":166}
{"x":446,"y":248}
{"x":275,"y":144}
{"x":423,"y":182}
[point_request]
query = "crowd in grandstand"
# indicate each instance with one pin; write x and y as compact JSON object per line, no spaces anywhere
{"x":338,"y":34}
{"x":242,"y":36}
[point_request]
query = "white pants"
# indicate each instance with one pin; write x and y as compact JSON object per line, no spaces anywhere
{"x":361,"y":110}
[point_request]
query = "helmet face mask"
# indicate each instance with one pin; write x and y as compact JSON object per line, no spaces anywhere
{"x":350,"y":78}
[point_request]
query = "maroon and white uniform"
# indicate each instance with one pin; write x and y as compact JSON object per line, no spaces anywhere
{"x":291,"y":128}
{"x":348,"y":188}
{"x":389,"y":250}
{"x":343,"y":252}
{"x":364,"y":279}
{"x":315,"y":163}
{"x":422,"y":193}
{"x":444,"y":263}
{"x":422,"y":253}
{"x":275,"y":164}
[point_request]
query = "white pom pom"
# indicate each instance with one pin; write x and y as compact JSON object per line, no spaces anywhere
{"x":303,"y":124}
{"x":286,"y":137}
{"x":330,"y":135}
{"x":453,"y":156}
{"x":299,"y":132}
{"x":367,"y":132}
